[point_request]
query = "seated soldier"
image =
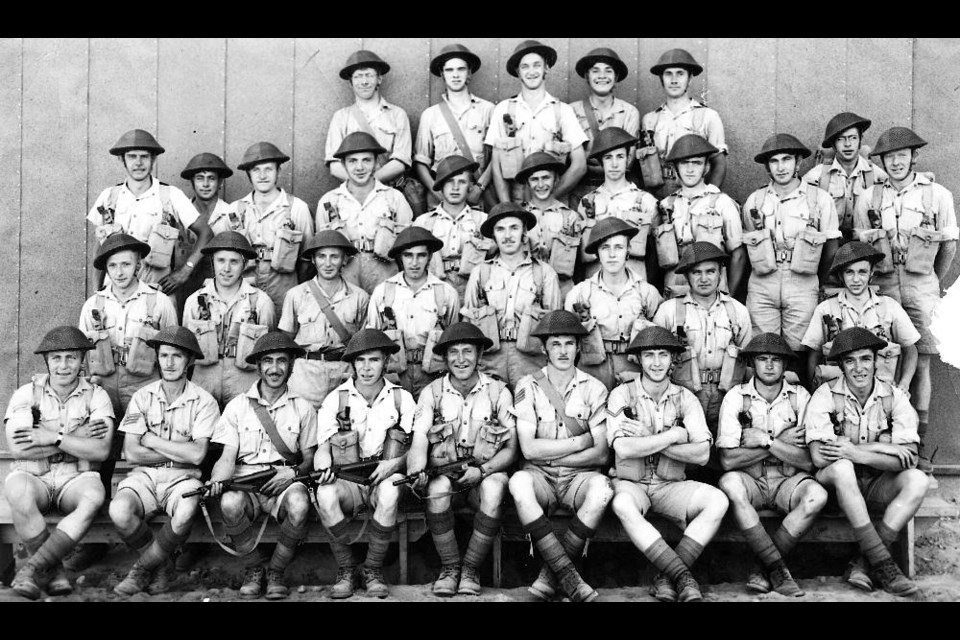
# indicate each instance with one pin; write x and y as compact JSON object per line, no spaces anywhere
{"x":763,"y":451}
{"x":59,"y":428}
{"x":656,"y":429}
{"x":167,"y":428}
{"x":862,"y":434}
{"x":463,"y":415}
{"x":269,"y":426}
{"x":369,"y":418}
{"x":560,"y":426}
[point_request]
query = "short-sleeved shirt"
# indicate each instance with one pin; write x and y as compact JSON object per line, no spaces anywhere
{"x":220,"y":219}
{"x":551,"y":221}
{"x":261,"y":225}
{"x":123,"y":320}
{"x":511,"y":293}
{"x":622,"y":114}
{"x":390,"y":126}
{"x":882,"y":315}
{"x":694,"y":218}
{"x":190,"y":417}
{"x":302,"y":314}
{"x":655,"y":416}
{"x":370,"y":421}
{"x":239,"y":426}
{"x":631,"y":203}
{"x":668,"y":126}
{"x":615,"y":314}
{"x":466,"y":411}
{"x":535,"y":127}
{"x":709,"y":331}
{"x":359,"y":221}
{"x":137,"y":215}
{"x":453,"y":231}
{"x":416,"y":312}
{"x":861,"y":424}
{"x":225,"y":313}
{"x":901,"y":211}
{"x":844,"y":188}
{"x":772,"y":417}
{"x":787,"y":216}
{"x":435,"y":141}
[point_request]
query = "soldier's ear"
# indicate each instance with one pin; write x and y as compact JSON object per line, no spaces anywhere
{"x":914,"y":157}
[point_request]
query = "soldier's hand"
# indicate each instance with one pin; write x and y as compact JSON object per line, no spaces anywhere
{"x":470,"y":477}
{"x":904,"y":388}
{"x":421,"y":482}
{"x":383,"y":471}
{"x":829,"y":451}
{"x":216,"y":488}
{"x":753,"y":438}
{"x":24,"y":437}
{"x":680,"y":435}
{"x":846,"y":449}
{"x":327,"y":477}
{"x":174,"y":280}
{"x":795,"y":435}
{"x":279,"y":483}
{"x":906,"y":456}
{"x":626,"y":376}
{"x":630,"y":427}
{"x":96,"y":429}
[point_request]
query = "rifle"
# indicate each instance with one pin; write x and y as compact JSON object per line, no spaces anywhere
{"x":432,"y":472}
{"x":250,"y":483}
{"x":345,"y":472}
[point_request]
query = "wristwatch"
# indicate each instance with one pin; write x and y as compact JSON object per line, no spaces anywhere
{"x":59,"y":437}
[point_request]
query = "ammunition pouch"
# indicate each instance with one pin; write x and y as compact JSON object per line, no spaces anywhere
{"x":807,"y":251}
{"x":511,"y":157}
{"x":887,"y":360}
{"x":247,"y":336}
{"x":474,"y":253}
{"x":491,"y":437}
{"x":878,"y":239}
{"x":100,"y":360}
{"x":528,"y":320}
{"x":668,"y":252}
{"x":759,"y":245}
{"x":345,"y":447}
{"x":206,"y":332}
{"x":398,"y":361}
{"x":563,"y":254}
{"x":485,"y":318}
{"x":592,"y":351}
{"x":385,"y":237}
{"x":686,"y":370}
{"x":433,"y":363}
{"x":286,"y":250}
{"x":141,"y":357}
{"x":650,"y":167}
{"x":163,"y":242}
{"x":638,"y":243}
{"x":732,"y":371}
{"x":922,"y":249}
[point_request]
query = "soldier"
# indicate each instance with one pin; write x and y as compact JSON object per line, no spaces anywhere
{"x":791,"y":235}
{"x":912,"y":220}
{"x":368,"y":212}
{"x":602,"y":69}
{"x":698,"y":212}
{"x":560,"y":427}
{"x":269,"y":426}
{"x":655,"y":429}
{"x":763,"y":451}
{"x":845,"y":172}
{"x":618,"y":197}
{"x":367,"y":417}
{"x":555,"y":239}
{"x":417,"y":305}
{"x":321,"y":315}
{"x":531,"y":121}
{"x":616,"y":301}
{"x":373,"y":115}
{"x":59,"y":428}
{"x":227,"y":315}
{"x":151,"y":211}
{"x":862,"y":434}
{"x":277,"y":224}
{"x":456,"y":223}
{"x":509,"y":293}
{"x":167,"y":429}
{"x":677,"y":116}
{"x":456,"y":126}
{"x":463,"y":415}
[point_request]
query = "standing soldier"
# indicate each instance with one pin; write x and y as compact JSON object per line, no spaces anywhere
{"x":456,"y":126}
{"x":845,"y":172}
{"x":456,"y":223}
{"x":602,"y":69}
{"x":59,"y":428}
{"x":531,"y":121}
{"x":508,"y":294}
{"x":367,"y":417}
{"x":277,"y":223}
{"x":167,"y":429}
{"x":368,"y":212}
{"x":151,"y":211}
{"x":270,"y":426}
{"x":373,"y":115}
{"x":417,"y":305}
{"x":615,"y":301}
{"x":912,"y":220}
{"x":862,"y":434}
{"x":560,"y":426}
{"x":655,"y":429}
{"x":464,"y":414}
{"x":791,"y":235}
{"x":227,"y":315}
{"x":763,"y":451}
{"x":698,"y":212}
{"x":676,"y":117}
{"x":321,"y":315}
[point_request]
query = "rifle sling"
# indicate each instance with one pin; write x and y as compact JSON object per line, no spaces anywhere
{"x":271,"y":428}
{"x":573,"y":425}
{"x":216,"y":538}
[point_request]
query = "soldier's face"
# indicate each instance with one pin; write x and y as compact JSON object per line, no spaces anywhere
{"x":274,"y":369}
{"x":858,"y":369}
{"x":360,"y":167}
{"x":369,"y":366}
{"x":768,"y":368}
{"x":228,"y":267}
{"x":856,"y":276}
{"x":656,"y":363}
{"x":561,"y":351}
{"x":691,"y":171}
{"x":329,"y":261}
{"x":847,"y":144}
{"x":455,"y":189}
{"x":508,"y":234}
{"x":264,"y":176}
{"x":138,"y":163}
{"x":64,"y":366}
{"x":173,"y":362}
{"x":122,"y":268}
{"x":675,"y":81}
{"x":206,"y":184}
{"x":782,"y":167}
{"x":456,"y":74}
{"x":462,"y":360}
{"x":615,"y":164}
{"x":612,"y":253}
{"x":602,"y":78}
{"x":532,"y":70}
{"x":542,"y":183}
{"x":898,"y":164}
{"x":415,"y":261}
{"x":365,"y":81}
{"x":704,"y":278}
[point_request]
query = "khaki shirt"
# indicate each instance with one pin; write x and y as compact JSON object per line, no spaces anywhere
{"x":843,"y":188}
{"x":709,"y":331}
{"x":123,"y":320}
{"x":657,"y":415}
{"x":370,"y":421}
{"x":789,"y":215}
{"x":615,"y":314}
{"x":861,"y":424}
{"x":468,"y":412}
{"x":668,"y":127}
{"x":454,"y":232}
{"x":551,"y":221}
{"x":224,"y":314}
{"x":435,"y":141}
{"x":511,"y":293}
{"x":622,"y":114}
{"x":302,"y":314}
{"x":725,"y":216}
{"x":137,"y":215}
{"x":882,"y":315}
{"x":416,"y":312}
{"x":359,"y":221}
{"x":220,"y":219}
{"x":773,"y":417}
{"x":630,"y":203}
{"x":535,"y":127}
{"x":390,"y":126}
{"x":901,"y":211}
{"x":191,"y":417}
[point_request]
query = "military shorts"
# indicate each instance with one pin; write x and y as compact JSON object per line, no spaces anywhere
{"x":509,"y":364}
{"x":606,"y":372}
{"x":669,"y":498}
{"x":160,"y":489}
{"x":367,"y":271}
{"x":315,"y":379}
{"x":271,"y":504}
{"x":223,"y":380}
{"x":771,"y":490}
{"x":556,"y":487}
{"x":878,"y":490}
{"x":361,"y":496}
{"x":471,"y":498}
{"x":56,"y":481}
{"x":919,"y":296}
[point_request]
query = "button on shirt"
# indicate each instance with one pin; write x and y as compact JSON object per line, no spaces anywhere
{"x":453,"y":231}
{"x":709,"y":331}
{"x":772,"y":417}
{"x":551,"y":221}
{"x":123,"y":320}
{"x":655,"y":416}
{"x":622,"y":114}
{"x":861,"y":423}
{"x":631,"y":203}
{"x":880,"y":314}
{"x":302,"y":314}
{"x":615,"y":314}
{"x":261,"y":223}
{"x":239,"y":426}
{"x":137,"y":215}
{"x":435,"y":141}
{"x":584,"y":399}
{"x":845,"y":188}
{"x":88,"y":402}
{"x":668,"y":126}
{"x":191,"y":417}
{"x":359,"y":221}
{"x":901,"y":211}
{"x":370,"y":421}
{"x":224,"y":313}
{"x":535,"y":126}
{"x":388,"y":122}
{"x":476,"y":407}
{"x":416,"y":311}
{"x":789,"y":215}
{"x":511,"y":292}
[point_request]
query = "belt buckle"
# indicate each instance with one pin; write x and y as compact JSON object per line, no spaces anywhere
{"x":120,"y":356}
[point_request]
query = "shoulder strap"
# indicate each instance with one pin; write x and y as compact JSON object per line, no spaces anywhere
{"x":680,"y":318}
{"x":389,"y":293}
{"x":556,"y":115}
{"x":438,"y":299}
{"x":669,"y":203}
{"x":632,"y":392}
{"x":37,"y":395}
{"x":824,"y":182}
{"x":493,"y":392}
{"x":512,"y":112}
{"x":397,"y":397}
{"x":887,"y":403}
{"x":327,"y":310}
{"x":698,"y":115}
{"x":839,"y":403}
{"x":591,"y":119}
{"x":165,"y":198}
{"x":455,"y":129}
{"x":746,"y":402}
{"x":113,"y":197}
{"x":538,"y":278}
{"x":573,"y":426}
{"x":759,"y":197}
{"x":731,"y":310}
{"x":712,"y":201}
{"x":794,"y":403}
{"x":99,"y":306}
{"x":867,"y":175}
{"x":271,"y":428}
{"x":342,"y":401}
{"x":252,"y":304}
{"x":812,"y":197}
{"x":675,"y":400}
{"x":926,"y":192}
{"x":151,"y":307}
{"x":877,"y":197}
{"x":361,"y":119}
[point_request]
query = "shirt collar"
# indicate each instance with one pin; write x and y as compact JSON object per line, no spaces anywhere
{"x":43,"y":379}
{"x":672,"y":390}
{"x":880,"y":390}
{"x":873,"y":300}
{"x":630,"y":188}
{"x":142,"y":289}
{"x":189,"y":393}
{"x":254,"y":392}
{"x":482,"y":381}
{"x":785,"y":390}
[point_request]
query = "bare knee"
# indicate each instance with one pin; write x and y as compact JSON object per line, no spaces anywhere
{"x":438,"y":485}
{"x":814,"y":499}
{"x":123,"y":511}
{"x":20,"y":495}
{"x":521,"y":486}
{"x":298,"y":506}
{"x":732,"y":486}
{"x":492,"y":490}
{"x":387,"y":495}
{"x":183,"y":515}
{"x":599,"y":491}
{"x":232,"y":505}
{"x":624,"y":505}
{"x":840,"y":474}
{"x":91,"y":499}
{"x":327,"y":500}
{"x":915,"y":485}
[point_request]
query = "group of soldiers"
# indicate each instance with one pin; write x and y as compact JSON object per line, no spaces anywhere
{"x":488,"y":338}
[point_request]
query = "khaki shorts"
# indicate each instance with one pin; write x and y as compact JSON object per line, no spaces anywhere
{"x":362,"y":496}
{"x":62,"y":476}
{"x":919,"y":296}
{"x":670,"y":498}
{"x":560,"y":486}
{"x":879,"y":491}
{"x":772,"y":490}
{"x":160,"y":489}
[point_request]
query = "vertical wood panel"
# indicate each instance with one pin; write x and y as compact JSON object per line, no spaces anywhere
{"x":52,"y":272}
{"x":936,"y":117}
{"x":626,"y":48}
{"x":485,"y":81}
{"x":259,"y":103}
{"x":879,"y":82}
{"x":11,"y":103}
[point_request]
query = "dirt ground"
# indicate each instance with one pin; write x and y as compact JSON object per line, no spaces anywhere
{"x":614,"y":569}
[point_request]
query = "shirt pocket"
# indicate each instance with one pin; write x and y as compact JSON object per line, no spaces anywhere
{"x":249,"y":438}
{"x":444,"y":144}
{"x":312,"y":329}
{"x":385,"y":134}
{"x":709,"y":228}
{"x":496,"y":290}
